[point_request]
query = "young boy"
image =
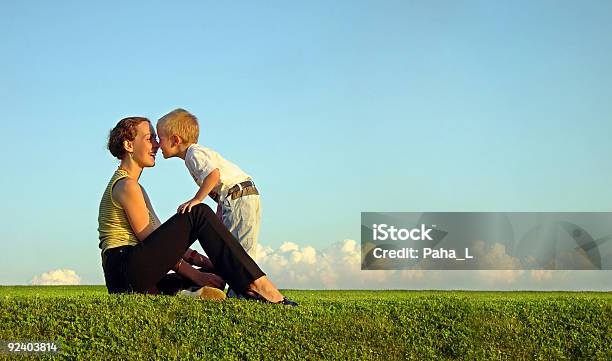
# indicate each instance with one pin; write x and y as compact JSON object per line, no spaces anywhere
{"x":232,"y":189}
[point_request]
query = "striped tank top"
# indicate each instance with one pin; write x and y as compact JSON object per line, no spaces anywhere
{"x":114,"y":230}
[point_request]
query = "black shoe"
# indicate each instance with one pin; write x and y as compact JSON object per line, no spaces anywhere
{"x":252,"y":295}
{"x":287,"y":302}
{"x":233,"y":294}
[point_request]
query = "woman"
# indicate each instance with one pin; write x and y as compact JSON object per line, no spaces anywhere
{"x":138,"y":251}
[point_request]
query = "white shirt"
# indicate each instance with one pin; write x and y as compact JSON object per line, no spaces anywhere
{"x":201,"y":161}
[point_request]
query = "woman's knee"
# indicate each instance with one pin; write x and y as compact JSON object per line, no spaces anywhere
{"x":203,"y":209}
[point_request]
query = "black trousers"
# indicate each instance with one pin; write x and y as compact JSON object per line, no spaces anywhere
{"x":140,"y":268}
{"x":172,"y":283}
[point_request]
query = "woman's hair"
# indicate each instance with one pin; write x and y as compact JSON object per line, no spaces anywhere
{"x":124,"y":130}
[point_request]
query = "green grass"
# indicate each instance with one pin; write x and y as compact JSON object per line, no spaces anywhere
{"x":343,"y":325}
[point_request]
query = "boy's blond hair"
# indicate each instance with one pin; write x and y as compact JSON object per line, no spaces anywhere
{"x":182,"y":123}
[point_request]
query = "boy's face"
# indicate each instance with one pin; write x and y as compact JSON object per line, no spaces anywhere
{"x":168,"y":149}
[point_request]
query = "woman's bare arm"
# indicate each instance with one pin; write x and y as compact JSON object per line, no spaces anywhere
{"x":128,"y":193}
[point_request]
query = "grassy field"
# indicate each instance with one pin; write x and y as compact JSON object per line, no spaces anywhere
{"x":345,"y":325}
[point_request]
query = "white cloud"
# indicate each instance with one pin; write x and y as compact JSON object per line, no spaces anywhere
{"x":57,"y":277}
{"x":289,"y":246}
{"x":335,"y":267}
{"x":499,"y":267}
{"x":553,"y":275}
{"x":297,"y":266}
{"x":541,"y":275}
{"x":338,"y":266}
{"x":412,"y":274}
{"x":494,"y":277}
{"x":494,"y":256}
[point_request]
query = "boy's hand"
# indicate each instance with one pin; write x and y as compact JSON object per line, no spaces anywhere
{"x":188,"y":205}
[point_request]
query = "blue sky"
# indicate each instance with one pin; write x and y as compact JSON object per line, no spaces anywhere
{"x":334,"y":109}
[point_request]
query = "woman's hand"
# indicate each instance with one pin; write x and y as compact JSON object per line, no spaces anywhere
{"x":197,"y":259}
{"x":209,"y":279}
{"x":188,"y":205}
{"x":205,"y":263}
{"x":199,"y":277}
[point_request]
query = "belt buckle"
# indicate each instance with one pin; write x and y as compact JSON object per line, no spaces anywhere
{"x":240,"y":187}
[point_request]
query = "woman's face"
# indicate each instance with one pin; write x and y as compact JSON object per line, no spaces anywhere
{"x":145,"y":145}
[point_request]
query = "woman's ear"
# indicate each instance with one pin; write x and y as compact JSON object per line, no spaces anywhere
{"x":127,"y":145}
